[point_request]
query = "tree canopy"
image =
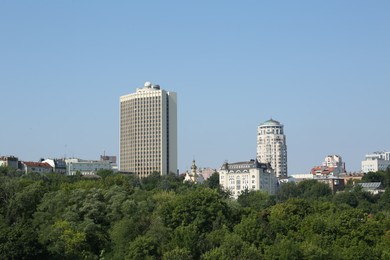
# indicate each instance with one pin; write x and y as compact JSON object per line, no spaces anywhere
{"x":116,"y":216}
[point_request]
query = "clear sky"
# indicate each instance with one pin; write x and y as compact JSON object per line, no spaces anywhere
{"x":321,"y":68}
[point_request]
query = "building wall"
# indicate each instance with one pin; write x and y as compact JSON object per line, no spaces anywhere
{"x":9,"y":161}
{"x":28,"y":167}
{"x":377,"y":161}
{"x":272,"y":147}
{"x":59,"y":165}
{"x":334,"y":161}
{"x":85,"y":167}
{"x":148,"y":131}
{"x":374,"y":165}
{"x":238,"y":177}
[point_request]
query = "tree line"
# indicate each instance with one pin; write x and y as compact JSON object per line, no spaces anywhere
{"x":116,"y":216}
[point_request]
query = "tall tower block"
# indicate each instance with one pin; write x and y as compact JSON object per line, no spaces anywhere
{"x":148,"y":131}
{"x":271,"y":146}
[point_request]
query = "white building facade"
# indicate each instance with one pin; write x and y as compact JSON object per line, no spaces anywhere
{"x":85,"y":167}
{"x":334,"y":161}
{"x":251,"y":175}
{"x":58,"y":165}
{"x":377,"y":161}
{"x":9,"y":161}
{"x":39,"y":167}
{"x":272,"y":147}
{"x":148,"y":131}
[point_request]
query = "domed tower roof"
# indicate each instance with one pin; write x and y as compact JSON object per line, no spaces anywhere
{"x":271,"y":122}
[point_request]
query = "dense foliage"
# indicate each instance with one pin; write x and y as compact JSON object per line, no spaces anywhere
{"x":121,"y":217}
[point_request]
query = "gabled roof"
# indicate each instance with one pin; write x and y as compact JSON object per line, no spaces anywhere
{"x":37,"y":164}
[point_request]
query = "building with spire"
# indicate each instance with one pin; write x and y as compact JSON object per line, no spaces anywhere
{"x":193,"y":176}
{"x":272,"y":147}
{"x":148,"y":131}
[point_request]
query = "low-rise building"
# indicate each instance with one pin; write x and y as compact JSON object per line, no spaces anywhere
{"x":326,"y":171}
{"x":85,"y":167}
{"x":251,"y":175}
{"x":58,"y":165}
{"x":372,"y":187}
{"x":40,"y":167}
{"x":9,"y":161}
{"x":334,"y":183}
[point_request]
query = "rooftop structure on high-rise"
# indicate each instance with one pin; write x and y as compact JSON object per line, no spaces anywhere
{"x":148,"y":131}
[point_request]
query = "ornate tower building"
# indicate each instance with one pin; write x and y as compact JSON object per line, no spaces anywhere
{"x":271,"y":146}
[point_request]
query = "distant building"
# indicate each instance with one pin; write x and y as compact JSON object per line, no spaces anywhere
{"x":372,"y":187}
{"x":109,"y":158}
{"x":377,"y":161}
{"x":40,"y":167}
{"x":251,"y":175}
{"x":112,"y":160}
{"x":334,"y":183}
{"x":9,"y":161}
{"x":272,"y":147}
{"x":333,"y":165}
{"x":148,"y":131}
{"x":85,"y":167}
{"x":58,"y":165}
{"x":334,"y":161}
{"x":206,"y":172}
{"x":326,"y":171}
{"x":193,"y":176}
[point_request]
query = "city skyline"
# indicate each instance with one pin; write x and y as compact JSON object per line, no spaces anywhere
{"x":320,"y":68}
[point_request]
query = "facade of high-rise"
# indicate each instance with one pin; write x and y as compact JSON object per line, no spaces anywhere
{"x":148,"y":131}
{"x":271,"y":146}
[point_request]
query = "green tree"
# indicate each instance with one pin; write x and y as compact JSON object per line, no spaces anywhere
{"x":284,"y":248}
{"x":255,"y":229}
{"x":233,"y":247}
{"x":143,"y":247}
{"x":19,"y":241}
{"x":213,"y":181}
{"x":256,"y":200}
{"x":202,"y":207}
{"x":286,"y":217}
{"x":177,"y":254}
{"x":287,"y":191}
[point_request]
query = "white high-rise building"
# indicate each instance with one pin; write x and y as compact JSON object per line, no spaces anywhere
{"x":271,"y":146}
{"x":334,"y":161}
{"x":148,"y":131}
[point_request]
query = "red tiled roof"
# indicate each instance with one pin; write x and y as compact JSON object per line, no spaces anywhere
{"x":37,"y":164}
{"x":323,"y":169}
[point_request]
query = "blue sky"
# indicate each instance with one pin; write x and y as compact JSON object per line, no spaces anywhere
{"x":322,"y":68}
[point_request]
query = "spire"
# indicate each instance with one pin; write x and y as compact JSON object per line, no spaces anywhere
{"x":193,"y":171}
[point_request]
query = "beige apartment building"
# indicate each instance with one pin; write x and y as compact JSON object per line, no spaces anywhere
{"x":148,"y":131}
{"x":245,"y":176}
{"x":272,"y":147}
